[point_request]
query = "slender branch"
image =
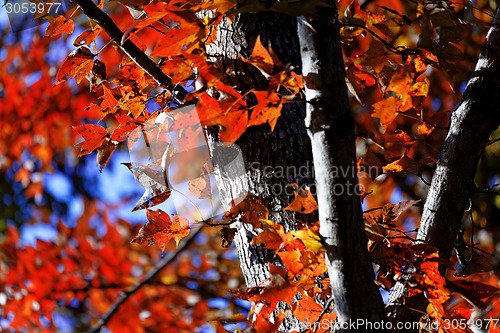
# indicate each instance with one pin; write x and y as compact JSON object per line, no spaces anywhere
{"x":325,"y":310}
{"x":135,"y":53}
{"x":149,"y":276}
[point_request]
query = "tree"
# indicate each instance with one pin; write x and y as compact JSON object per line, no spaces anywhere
{"x":273,"y":78}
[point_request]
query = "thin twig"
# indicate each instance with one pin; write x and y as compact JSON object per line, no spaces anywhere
{"x":149,"y":276}
{"x":488,"y":190}
{"x":323,"y":312}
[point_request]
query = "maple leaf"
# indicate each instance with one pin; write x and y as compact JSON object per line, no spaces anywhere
{"x":472,"y":290}
{"x":227,"y":235}
{"x":400,"y":137}
{"x":58,"y":25}
{"x":359,"y":79}
{"x":400,"y":84}
{"x":271,"y":237}
{"x":251,"y":210}
{"x":94,"y":136}
{"x":232,"y":125}
{"x":261,"y":59}
{"x":309,"y":238}
{"x":154,"y":181}
{"x":291,"y":259}
{"x":78,"y":63}
{"x":160,"y":229}
{"x":200,"y":187}
{"x":107,"y":106}
{"x":394,"y":211}
{"x":440,"y":119}
{"x":307,"y":308}
{"x":104,"y":153}
{"x":88,"y":37}
{"x":400,"y":165}
{"x":183,"y":36}
{"x":387,"y":110}
{"x":267,"y":110}
{"x":304,"y":201}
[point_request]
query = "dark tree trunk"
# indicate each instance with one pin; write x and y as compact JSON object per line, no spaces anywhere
{"x":275,"y":159}
{"x":453,"y":182}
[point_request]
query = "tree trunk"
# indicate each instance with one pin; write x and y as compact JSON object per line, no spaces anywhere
{"x":275,"y":159}
{"x":330,"y":125}
{"x":453,"y":182}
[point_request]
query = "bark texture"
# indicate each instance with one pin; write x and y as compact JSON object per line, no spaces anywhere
{"x":330,"y":126}
{"x":275,"y":159}
{"x":453,"y":182}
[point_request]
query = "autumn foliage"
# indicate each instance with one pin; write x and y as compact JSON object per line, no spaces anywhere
{"x":406,"y":64}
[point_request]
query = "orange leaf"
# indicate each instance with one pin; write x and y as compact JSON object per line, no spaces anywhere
{"x":261,"y":58}
{"x":420,"y":88}
{"x":200,"y":187}
{"x":271,"y":237}
{"x":180,"y":228}
{"x":400,"y":83}
{"x":267,"y":110}
{"x":472,"y":290}
{"x":400,"y":137}
{"x":291,"y":259}
{"x":232,"y":125}
{"x":400,"y":165}
{"x":79,"y":62}
{"x":439,"y":119}
{"x":88,"y":37}
{"x":386,"y":110}
{"x":58,"y":25}
{"x":304,"y":201}
{"x":359,"y":79}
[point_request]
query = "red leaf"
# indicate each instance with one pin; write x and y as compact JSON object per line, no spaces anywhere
{"x":473,"y":291}
{"x":78,"y":63}
{"x":94,"y":136}
{"x":88,"y":37}
{"x":161,"y":229}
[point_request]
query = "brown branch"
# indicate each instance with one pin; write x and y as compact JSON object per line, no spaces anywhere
{"x":135,"y":53}
{"x":149,"y":276}
{"x":325,"y":310}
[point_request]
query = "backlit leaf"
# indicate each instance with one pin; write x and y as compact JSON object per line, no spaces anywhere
{"x":77,"y":63}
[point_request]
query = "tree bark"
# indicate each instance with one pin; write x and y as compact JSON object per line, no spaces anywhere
{"x":453,"y":182}
{"x":275,"y":159}
{"x":330,"y":126}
